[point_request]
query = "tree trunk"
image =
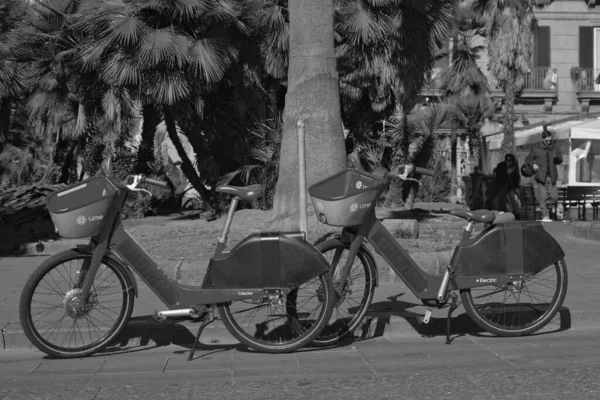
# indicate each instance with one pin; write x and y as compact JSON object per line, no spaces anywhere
{"x":66,"y":167}
{"x":508,"y":142}
{"x":313,"y":96}
{"x":5,"y":108}
{"x":186,"y":164}
{"x":453,"y":165}
{"x":273,"y":106}
{"x":151,"y":119}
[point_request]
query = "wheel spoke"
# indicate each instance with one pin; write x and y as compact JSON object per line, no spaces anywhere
{"x":80,"y":328}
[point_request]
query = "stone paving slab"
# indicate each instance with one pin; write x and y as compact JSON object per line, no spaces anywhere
{"x":472,"y":368}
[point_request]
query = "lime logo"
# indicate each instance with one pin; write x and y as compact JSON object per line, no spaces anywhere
{"x":81,"y":220}
{"x":355,"y":206}
{"x":96,"y":218}
{"x":486,"y":280}
{"x":320,"y":206}
{"x":359,"y":184}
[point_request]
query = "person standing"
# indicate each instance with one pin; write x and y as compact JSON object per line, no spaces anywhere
{"x":544,"y":159}
{"x":508,"y":181}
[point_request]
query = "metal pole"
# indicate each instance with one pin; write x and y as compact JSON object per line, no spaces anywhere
{"x":302,"y":179}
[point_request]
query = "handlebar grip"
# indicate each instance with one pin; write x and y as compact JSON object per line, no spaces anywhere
{"x":154,"y":182}
{"x":424,"y":171}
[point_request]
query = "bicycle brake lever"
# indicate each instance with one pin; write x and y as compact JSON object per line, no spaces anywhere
{"x":413,"y":179}
{"x":142,"y":190}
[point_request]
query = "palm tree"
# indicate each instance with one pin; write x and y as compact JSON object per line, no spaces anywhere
{"x":383,"y":49}
{"x":414,"y":138}
{"x":166,"y":53}
{"x":12,"y":73}
{"x":386,"y":49}
{"x":508,"y":26}
{"x":465,"y":84}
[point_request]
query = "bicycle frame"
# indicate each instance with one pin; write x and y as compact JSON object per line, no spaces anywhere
{"x":114,"y":240}
{"x":426,"y":286}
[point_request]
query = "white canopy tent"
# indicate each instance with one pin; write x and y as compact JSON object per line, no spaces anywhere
{"x":578,"y":141}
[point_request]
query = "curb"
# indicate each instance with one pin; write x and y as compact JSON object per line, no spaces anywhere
{"x":587,"y":230}
{"x":40,"y":248}
{"x":147,"y":333}
{"x":139,"y":333}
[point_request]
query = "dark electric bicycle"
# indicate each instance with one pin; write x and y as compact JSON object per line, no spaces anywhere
{"x":512,"y":277}
{"x":273,"y":291}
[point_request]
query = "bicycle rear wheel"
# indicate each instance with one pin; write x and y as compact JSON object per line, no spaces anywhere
{"x":281,"y":324}
{"x":520,"y":307}
{"x":350,"y":309}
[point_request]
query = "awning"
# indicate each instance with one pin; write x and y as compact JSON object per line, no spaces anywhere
{"x":559,"y":131}
{"x":576,"y":129}
{"x":587,"y":130}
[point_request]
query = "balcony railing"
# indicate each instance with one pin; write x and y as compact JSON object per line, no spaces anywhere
{"x":541,"y":79}
{"x":588,"y":81}
{"x":538,"y":79}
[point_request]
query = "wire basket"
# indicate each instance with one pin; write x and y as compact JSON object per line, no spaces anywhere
{"x":78,"y":211}
{"x":346,"y":198}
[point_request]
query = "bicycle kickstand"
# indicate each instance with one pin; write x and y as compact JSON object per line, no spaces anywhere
{"x":453,"y":306}
{"x":207,"y":318}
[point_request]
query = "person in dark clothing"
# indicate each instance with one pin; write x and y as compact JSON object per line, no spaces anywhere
{"x":507,"y":182}
{"x":543,"y":160}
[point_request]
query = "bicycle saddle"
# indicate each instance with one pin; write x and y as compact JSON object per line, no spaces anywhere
{"x":251,"y":192}
{"x":484,"y":216}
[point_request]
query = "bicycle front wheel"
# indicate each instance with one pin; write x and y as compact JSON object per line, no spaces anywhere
{"x":56,"y":319}
{"x":520,"y":307}
{"x":282,"y":323}
{"x":356,"y":295}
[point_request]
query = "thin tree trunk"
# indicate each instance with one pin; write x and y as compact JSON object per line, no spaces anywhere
{"x":64,"y":175}
{"x":313,"y":96}
{"x":273,"y":106}
{"x":186,"y":164}
{"x":151,"y":119}
{"x":454,"y":166}
{"x":508,"y":142}
{"x":5,"y":108}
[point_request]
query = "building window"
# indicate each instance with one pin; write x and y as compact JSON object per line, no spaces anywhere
{"x":589,"y":58}
{"x":541,"y":47}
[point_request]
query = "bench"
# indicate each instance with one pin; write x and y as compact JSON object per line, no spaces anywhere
{"x":569,"y":197}
{"x":580,"y":196}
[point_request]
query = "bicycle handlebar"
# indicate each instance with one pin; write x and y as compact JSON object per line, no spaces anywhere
{"x":154,"y":182}
{"x":424,"y":171}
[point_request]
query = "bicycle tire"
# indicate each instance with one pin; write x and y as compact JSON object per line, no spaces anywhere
{"x":45,"y":344}
{"x":346,"y":321}
{"x":501,"y":326}
{"x":293,"y":333}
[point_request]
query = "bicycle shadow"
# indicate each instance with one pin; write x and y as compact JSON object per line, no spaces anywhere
{"x":378,"y":321}
{"x":144,"y":333}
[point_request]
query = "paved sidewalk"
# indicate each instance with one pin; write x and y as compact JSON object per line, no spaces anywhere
{"x":394,"y":311}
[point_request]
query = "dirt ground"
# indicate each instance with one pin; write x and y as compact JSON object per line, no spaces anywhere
{"x":183,"y":244}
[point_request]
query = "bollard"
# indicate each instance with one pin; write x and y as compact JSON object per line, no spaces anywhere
{"x":302,"y":179}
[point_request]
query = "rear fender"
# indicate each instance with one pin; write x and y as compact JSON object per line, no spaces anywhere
{"x":266,"y":260}
{"x":511,"y":248}
{"x":87,"y":249}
